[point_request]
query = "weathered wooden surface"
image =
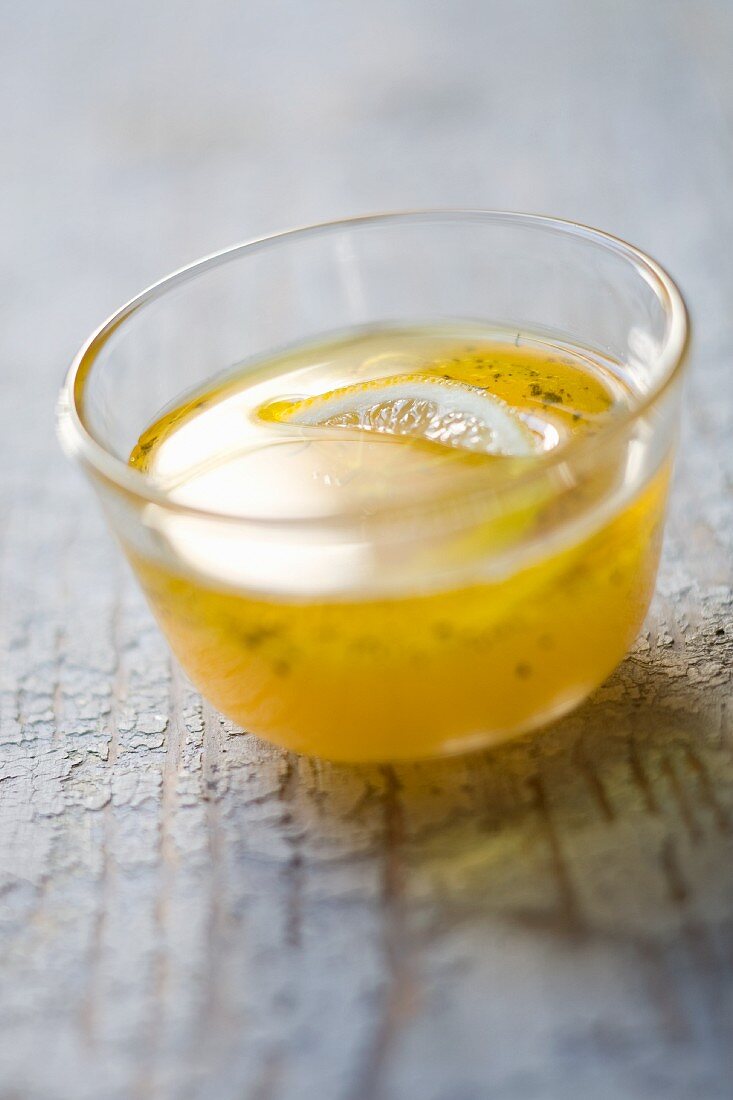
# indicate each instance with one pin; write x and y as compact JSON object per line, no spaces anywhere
{"x":187,"y":913}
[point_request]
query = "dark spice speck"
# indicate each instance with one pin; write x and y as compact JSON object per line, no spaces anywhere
{"x":258,"y":635}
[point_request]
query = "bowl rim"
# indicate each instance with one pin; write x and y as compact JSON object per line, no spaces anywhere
{"x":80,"y":444}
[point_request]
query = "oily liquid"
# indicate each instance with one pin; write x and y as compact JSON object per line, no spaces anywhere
{"x":356,"y":648}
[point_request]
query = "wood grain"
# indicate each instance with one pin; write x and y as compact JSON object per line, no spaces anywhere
{"x":188,"y":913}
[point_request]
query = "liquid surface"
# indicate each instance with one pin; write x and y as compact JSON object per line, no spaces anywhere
{"x":257,"y":444}
{"x":356,"y":648}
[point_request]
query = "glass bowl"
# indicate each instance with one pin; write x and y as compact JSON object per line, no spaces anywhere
{"x":432,"y":625}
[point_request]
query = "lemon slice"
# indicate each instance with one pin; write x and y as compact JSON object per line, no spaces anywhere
{"x":420,"y":407}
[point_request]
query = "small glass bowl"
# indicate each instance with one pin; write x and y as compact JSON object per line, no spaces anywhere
{"x":427,"y":628}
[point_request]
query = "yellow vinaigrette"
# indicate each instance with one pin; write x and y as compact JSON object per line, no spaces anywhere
{"x":329,"y":629}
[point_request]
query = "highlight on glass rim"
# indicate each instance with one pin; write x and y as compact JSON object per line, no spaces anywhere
{"x":406,"y":521}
